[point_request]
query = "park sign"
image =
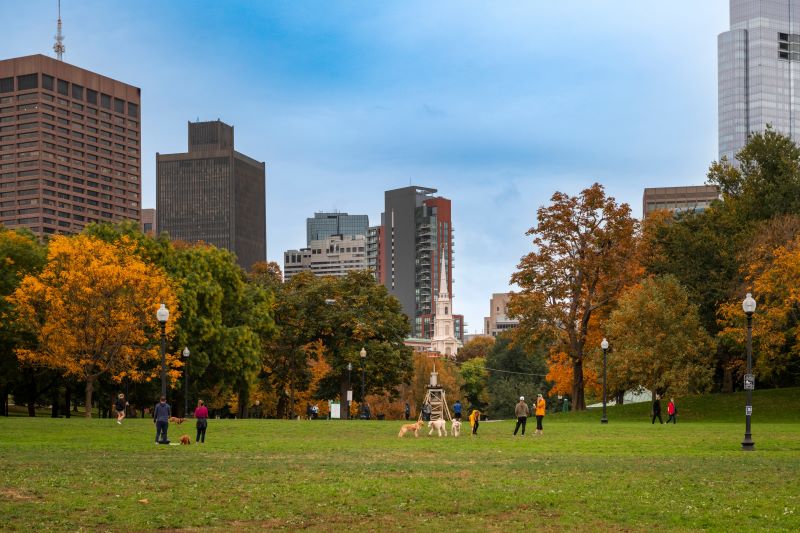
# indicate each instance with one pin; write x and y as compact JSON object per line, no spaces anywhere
{"x":749,"y":382}
{"x":748,"y":411}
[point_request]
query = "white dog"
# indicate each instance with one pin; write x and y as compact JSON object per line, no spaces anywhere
{"x":455,"y":428}
{"x":438,"y":425}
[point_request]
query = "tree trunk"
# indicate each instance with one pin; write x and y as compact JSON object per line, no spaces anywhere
{"x":727,"y":380}
{"x":620,"y":397}
{"x":67,"y":400}
{"x":343,"y":407}
{"x":54,"y":411}
{"x":3,"y":401}
{"x":89,"y":389}
{"x":244,"y":400}
{"x":578,"y":400}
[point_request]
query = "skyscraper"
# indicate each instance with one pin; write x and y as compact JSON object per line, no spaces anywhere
{"x":69,"y":147}
{"x":758,"y":61}
{"x":417,"y":242}
{"x":324,"y":225}
{"x":213,"y":194}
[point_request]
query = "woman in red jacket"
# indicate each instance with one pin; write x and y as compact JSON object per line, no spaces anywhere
{"x":672,"y":411}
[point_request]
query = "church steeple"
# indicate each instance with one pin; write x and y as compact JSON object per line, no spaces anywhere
{"x":444,"y":340}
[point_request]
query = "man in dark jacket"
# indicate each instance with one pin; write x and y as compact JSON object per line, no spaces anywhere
{"x":657,"y":410}
{"x":521,"y":411}
{"x":161,"y":415}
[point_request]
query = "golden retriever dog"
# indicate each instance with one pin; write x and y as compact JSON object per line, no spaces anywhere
{"x":185,"y":439}
{"x":415,"y":427}
{"x":437,"y":425}
{"x":176,"y":420}
{"x":455,"y":428}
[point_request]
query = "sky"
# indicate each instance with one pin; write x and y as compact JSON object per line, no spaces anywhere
{"x":496,"y":104}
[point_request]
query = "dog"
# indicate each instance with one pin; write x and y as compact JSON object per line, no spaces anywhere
{"x":185,"y":439}
{"x":415,"y":427}
{"x":437,"y":425}
{"x":455,"y":428}
{"x":176,"y":420}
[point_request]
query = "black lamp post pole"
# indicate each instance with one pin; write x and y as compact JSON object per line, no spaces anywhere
{"x":747,"y":444}
{"x":164,"y":359}
{"x":604,"y":420}
{"x":349,"y":390}
{"x":186,"y":390}
{"x":363,"y":397}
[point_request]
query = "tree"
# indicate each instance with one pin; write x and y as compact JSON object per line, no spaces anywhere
{"x":585,"y":255}
{"x":92,"y":311}
{"x":477,"y":347}
{"x":657,"y":340}
{"x":475,"y":387}
{"x":514,"y":370}
{"x":22,"y":255}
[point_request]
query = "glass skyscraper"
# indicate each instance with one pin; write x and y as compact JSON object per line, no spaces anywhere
{"x":758,"y":69}
{"x":325,"y":225}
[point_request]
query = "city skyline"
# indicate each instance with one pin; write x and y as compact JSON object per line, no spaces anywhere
{"x":497,"y":106}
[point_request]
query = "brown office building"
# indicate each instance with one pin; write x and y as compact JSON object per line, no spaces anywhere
{"x":69,"y":147}
{"x":678,"y":199}
{"x":213,"y":194}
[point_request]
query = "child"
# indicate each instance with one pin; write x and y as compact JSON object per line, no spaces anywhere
{"x":474,"y":420}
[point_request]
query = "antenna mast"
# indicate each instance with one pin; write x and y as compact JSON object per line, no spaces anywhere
{"x":59,"y":48}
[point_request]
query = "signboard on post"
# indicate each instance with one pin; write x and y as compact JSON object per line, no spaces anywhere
{"x":335,"y":411}
{"x":748,"y":410}
{"x":350,"y":395}
{"x":749,"y":382}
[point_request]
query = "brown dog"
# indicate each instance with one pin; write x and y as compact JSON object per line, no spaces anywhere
{"x":415,"y":427}
{"x":176,"y":420}
{"x":185,"y":439}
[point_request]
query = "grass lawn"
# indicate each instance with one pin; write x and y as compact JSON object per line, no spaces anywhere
{"x":74,"y":474}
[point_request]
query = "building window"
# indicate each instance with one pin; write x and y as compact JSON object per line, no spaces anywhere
{"x":105,"y":101}
{"x":28,"y":81}
{"x":6,"y":85}
{"x":91,"y":96}
{"x":77,"y":92}
{"x":48,"y":82}
{"x":133,"y":110}
{"x":63,"y":87}
{"x":119,"y":105}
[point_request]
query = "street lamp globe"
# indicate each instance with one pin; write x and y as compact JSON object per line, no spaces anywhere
{"x":363,"y":352}
{"x":604,"y":344}
{"x":162,"y":314}
{"x":749,"y":304}
{"x":186,"y":351}
{"x":349,"y":367}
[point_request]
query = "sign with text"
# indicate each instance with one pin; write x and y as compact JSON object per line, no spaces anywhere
{"x":749,"y":382}
{"x":748,"y":410}
{"x":349,"y":395}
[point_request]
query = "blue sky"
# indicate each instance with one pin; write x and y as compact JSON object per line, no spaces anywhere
{"x":496,"y":104}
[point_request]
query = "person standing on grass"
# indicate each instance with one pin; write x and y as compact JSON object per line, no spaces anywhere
{"x":161,"y":415}
{"x":407,"y":411}
{"x":457,"y":410}
{"x":426,"y":412}
{"x":656,"y":410}
{"x":120,"y":404}
{"x":521,"y":412}
{"x":474,"y":421}
{"x":672,"y":411}
{"x":201,"y":414}
{"x":541,"y":405}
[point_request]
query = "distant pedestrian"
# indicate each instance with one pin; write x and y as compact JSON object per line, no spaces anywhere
{"x":541,"y":405}
{"x":426,"y":412}
{"x":314,"y":412}
{"x":120,"y":405}
{"x":309,"y":411}
{"x":474,"y":421}
{"x":656,"y":410}
{"x":521,"y":411}
{"x":201,"y":414}
{"x":672,"y":411}
{"x":407,"y":411}
{"x":457,"y":410}
{"x":161,"y":415}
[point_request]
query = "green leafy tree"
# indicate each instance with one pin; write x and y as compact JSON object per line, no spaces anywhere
{"x":475,"y":387}
{"x":477,"y":347}
{"x":658,"y":341}
{"x":514,"y":371}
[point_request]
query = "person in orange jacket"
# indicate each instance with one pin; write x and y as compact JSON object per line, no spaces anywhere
{"x":474,"y":421}
{"x":540,"y":407}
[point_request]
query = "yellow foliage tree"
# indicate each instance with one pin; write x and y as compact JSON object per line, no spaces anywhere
{"x":92,"y":311}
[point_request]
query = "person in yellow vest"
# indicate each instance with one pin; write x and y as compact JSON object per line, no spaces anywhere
{"x":474,"y":420}
{"x":540,"y":407}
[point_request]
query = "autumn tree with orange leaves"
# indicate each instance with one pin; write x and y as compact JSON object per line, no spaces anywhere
{"x":92,"y":312}
{"x":584,"y":256}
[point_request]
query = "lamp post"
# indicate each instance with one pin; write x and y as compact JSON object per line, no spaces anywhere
{"x":363,"y":354}
{"x":349,"y":389}
{"x":163,"y":315}
{"x":749,"y":307}
{"x":604,"y":346}
{"x":186,"y":354}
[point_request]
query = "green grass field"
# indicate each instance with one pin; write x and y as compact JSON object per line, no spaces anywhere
{"x":74,"y":474}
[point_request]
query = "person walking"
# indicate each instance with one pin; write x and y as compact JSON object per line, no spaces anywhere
{"x":426,"y":412}
{"x":201,"y":414}
{"x":120,"y":404}
{"x":407,"y":411}
{"x":672,"y":411}
{"x":656,"y":410}
{"x":541,"y":405}
{"x":474,"y":421}
{"x":457,"y":410}
{"x":521,"y":411}
{"x":161,"y":415}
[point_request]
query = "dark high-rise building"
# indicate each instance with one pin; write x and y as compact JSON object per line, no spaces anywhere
{"x":69,"y":147}
{"x":325,"y":225}
{"x":213,"y":194}
{"x":417,"y":244}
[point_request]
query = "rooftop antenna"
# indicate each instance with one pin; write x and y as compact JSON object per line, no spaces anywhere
{"x":59,"y":46}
